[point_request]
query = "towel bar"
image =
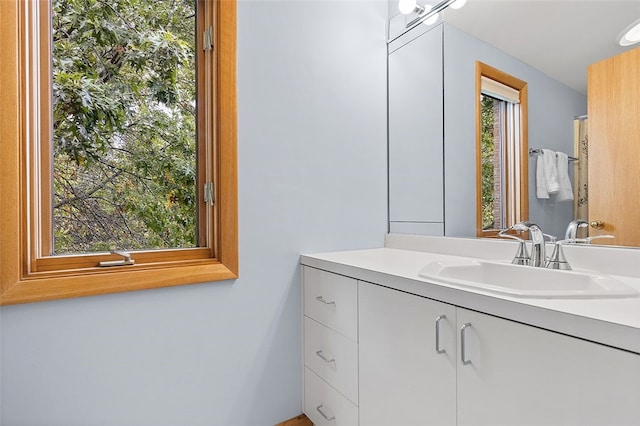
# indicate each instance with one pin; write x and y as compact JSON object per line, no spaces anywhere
{"x":533,"y":151}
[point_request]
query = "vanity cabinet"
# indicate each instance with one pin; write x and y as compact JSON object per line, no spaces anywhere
{"x":374,"y":355}
{"x":330,"y":348}
{"x":430,"y":363}
{"x":405,"y":377}
{"x":416,"y":138}
{"x":522,"y":375}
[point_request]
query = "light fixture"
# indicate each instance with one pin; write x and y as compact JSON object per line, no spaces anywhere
{"x":433,"y":19}
{"x":409,"y":6}
{"x":630,"y":35}
{"x":426,"y":13}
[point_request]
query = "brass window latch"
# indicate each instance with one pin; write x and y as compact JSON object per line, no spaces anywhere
{"x":126,"y":258}
{"x":207,"y":39}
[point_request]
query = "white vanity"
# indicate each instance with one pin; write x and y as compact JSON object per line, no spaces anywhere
{"x":386,"y":346}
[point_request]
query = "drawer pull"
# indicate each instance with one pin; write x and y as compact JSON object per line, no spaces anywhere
{"x":321,"y":299}
{"x":463,"y":346}
{"x":324,"y":358}
{"x":322,"y":413}
{"x":438,"y":350}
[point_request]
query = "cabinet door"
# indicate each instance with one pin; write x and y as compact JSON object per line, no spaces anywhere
{"x":416,"y":134}
{"x":522,"y":375}
{"x":403,"y":380}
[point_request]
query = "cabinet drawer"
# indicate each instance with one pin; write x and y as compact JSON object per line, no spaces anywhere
{"x":324,"y":405}
{"x":333,"y":357}
{"x":332,"y":300}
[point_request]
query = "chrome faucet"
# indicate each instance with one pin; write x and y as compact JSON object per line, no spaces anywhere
{"x":572,"y":229}
{"x":538,"y":253}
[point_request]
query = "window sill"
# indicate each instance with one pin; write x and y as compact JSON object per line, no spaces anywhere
{"x":46,"y":286}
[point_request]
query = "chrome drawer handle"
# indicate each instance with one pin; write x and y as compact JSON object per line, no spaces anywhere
{"x":438,"y":350}
{"x":321,"y":299}
{"x":319,"y":410}
{"x":463,"y":349}
{"x":324,"y":358}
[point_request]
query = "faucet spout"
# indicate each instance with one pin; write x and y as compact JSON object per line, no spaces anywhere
{"x":538,"y":254}
{"x":572,"y":229}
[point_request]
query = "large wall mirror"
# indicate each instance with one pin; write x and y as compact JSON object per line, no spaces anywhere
{"x":549,"y":45}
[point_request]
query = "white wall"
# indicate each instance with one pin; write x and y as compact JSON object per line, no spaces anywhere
{"x":312,"y":177}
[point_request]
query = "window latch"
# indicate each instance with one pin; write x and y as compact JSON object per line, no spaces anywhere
{"x":126,"y":258}
{"x":208,"y":193}
{"x":207,"y":39}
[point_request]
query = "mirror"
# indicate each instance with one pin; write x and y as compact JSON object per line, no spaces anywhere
{"x":549,"y":44}
{"x":561,"y":39}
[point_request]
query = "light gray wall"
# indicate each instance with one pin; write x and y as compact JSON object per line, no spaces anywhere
{"x":312,"y":162}
{"x":552,"y":107}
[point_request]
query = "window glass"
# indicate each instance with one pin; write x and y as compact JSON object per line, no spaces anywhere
{"x":492,"y":163}
{"x":124,"y":120}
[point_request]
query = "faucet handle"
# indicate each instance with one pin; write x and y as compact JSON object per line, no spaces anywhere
{"x":504,"y":232}
{"x":586,"y":240}
{"x":558,"y":260}
{"x":511,"y":237}
{"x":522,"y":254}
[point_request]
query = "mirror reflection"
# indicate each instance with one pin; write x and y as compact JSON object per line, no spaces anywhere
{"x":550,"y":45}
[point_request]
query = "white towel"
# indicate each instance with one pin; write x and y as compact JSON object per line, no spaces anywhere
{"x":562,"y":165}
{"x":546,"y":174}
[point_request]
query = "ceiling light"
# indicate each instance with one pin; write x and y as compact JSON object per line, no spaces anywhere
{"x":407,"y":6}
{"x":630,"y":35}
{"x":431,"y":20}
{"x":458,"y":4}
{"x":427,"y":14}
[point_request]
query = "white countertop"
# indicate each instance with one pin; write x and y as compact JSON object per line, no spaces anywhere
{"x":613,"y":322}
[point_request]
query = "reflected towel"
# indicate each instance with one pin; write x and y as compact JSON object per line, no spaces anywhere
{"x":562,"y":165}
{"x":546,"y":174}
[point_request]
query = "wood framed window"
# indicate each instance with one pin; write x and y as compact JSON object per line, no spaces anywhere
{"x":183,"y":228}
{"x":502,"y":195}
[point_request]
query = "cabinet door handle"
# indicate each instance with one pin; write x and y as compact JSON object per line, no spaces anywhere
{"x":322,"y":413}
{"x":321,"y":299}
{"x":463,"y":345}
{"x":438,"y":350}
{"x":324,"y":358}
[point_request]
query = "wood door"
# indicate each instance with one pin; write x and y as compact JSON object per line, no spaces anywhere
{"x":403,"y":379}
{"x":614,"y":147}
{"x":520,"y":375}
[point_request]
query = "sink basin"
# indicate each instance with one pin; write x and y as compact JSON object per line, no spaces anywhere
{"x":526,"y":281}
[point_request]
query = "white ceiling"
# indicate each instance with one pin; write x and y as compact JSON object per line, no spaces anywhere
{"x":560,"y":38}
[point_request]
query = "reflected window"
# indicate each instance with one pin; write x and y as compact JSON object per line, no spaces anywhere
{"x":501,"y":160}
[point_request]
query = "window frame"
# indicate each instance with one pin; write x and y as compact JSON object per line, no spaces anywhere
{"x":512,"y":207}
{"x":28,"y":276}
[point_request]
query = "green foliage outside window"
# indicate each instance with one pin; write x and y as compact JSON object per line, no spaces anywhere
{"x":487,"y":161}
{"x":124,"y":124}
